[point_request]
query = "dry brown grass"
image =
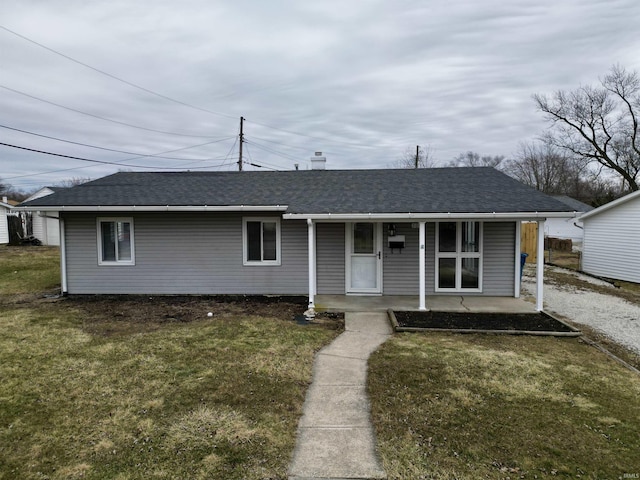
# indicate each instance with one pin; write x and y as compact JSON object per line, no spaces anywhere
{"x":479,"y":406}
{"x":159,"y":391}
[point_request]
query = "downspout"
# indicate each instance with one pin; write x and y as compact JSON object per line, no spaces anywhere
{"x":63,"y":258}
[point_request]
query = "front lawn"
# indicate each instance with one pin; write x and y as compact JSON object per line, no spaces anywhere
{"x":110,"y":388}
{"x":449,"y":406}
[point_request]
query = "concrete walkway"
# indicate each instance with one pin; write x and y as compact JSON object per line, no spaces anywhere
{"x":335,"y":436}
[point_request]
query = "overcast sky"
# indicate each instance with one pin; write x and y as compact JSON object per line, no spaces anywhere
{"x":359,"y":80}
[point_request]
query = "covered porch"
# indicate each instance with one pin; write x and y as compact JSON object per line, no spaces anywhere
{"x":439,"y":303}
{"x":421,"y":252}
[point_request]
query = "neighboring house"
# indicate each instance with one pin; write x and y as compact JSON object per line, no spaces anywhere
{"x":45,"y":225}
{"x":5,"y":208}
{"x":358,"y":232}
{"x":612,"y":239}
{"x":571,"y":226}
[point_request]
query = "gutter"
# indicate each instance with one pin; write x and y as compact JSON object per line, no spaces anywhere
{"x":47,"y":216}
{"x":155,"y":208}
{"x":340,"y":217}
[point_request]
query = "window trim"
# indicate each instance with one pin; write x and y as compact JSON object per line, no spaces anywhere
{"x":459,"y":255}
{"x":117,"y":263}
{"x":245,"y":246}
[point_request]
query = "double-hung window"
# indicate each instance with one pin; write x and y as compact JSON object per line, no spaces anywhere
{"x":261,"y":241}
{"x":115,"y":241}
{"x":459,"y":256}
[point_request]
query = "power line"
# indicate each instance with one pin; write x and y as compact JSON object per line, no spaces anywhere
{"x":138,"y":155}
{"x":119,"y":163}
{"x":289,"y":145}
{"x":273,"y":151}
{"x":102,"y":72}
{"x":105,"y":162}
{"x":102,"y":118}
{"x":225,"y":163}
{"x":369,"y":145}
{"x":165,"y":97}
{"x":263,"y":166}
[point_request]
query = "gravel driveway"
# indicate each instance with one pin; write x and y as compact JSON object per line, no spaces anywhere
{"x":577,"y":300}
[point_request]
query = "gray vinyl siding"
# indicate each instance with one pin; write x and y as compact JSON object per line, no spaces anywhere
{"x":330,"y":258}
{"x":499,"y":259}
{"x":400,"y":267}
{"x":185,"y":253}
{"x":611,"y":245}
{"x":400,"y":270}
{"x":201,"y":253}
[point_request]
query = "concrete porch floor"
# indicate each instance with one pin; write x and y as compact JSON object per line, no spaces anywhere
{"x":439,"y":303}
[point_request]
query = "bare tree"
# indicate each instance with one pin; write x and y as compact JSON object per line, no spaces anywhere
{"x":551,"y":170}
{"x":599,"y":124}
{"x":4,"y":187}
{"x":72,"y":182}
{"x":542,"y":166}
{"x":8,"y":190}
{"x":418,"y":157}
{"x":474,"y":159}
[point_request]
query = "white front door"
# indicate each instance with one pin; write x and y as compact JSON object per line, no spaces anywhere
{"x":364,"y":257}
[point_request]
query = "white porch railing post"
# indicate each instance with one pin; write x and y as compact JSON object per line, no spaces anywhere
{"x":540,"y":267}
{"x":312,"y":263}
{"x":518,"y":275}
{"x":421,"y":259}
{"x":63,"y":256}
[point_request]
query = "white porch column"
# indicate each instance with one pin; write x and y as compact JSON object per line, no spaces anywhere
{"x":63,"y":257}
{"x":312,"y":263}
{"x":516,"y":280}
{"x":421,"y":259}
{"x":540,"y":266}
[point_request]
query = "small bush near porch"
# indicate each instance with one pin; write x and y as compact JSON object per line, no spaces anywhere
{"x":146,"y":388}
{"x":477,"y":406}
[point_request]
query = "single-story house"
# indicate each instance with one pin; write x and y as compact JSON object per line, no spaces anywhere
{"x":569,"y":227}
{"x":44,"y":225}
{"x":611,"y":247}
{"x":444,"y":231}
{"x":5,"y":208}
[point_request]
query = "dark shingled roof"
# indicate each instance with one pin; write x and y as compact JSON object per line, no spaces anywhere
{"x":574,"y":204}
{"x":437,"y":190}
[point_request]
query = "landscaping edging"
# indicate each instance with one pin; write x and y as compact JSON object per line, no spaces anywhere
{"x":573,"y":333}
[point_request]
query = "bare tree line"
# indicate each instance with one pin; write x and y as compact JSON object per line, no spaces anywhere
{"x":590,"y":152}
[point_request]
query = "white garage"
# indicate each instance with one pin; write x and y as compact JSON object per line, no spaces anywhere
{"x":612,"y":239}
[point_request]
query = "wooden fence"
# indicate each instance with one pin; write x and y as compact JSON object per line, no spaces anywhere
{"x":529,"y":240}
{"x":20,"y":226}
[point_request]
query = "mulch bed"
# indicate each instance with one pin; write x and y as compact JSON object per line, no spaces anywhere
{"x":530,"y":322}
{"x":113,"y":314}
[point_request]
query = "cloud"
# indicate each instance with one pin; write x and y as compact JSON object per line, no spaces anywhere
{"x":361,"y":81}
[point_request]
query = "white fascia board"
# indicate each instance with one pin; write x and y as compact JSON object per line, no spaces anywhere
{"x":610,"y":205}
{"x":412,"y":217}
{"x":158,"y":208}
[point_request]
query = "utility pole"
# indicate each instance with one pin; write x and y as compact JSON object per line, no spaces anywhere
{"x":417,"y":155}
{"x":241,"y":142}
